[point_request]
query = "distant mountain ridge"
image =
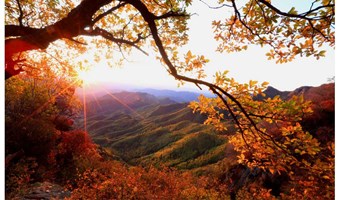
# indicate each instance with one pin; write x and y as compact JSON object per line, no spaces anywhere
{"x":124,"y":101}
{"x":271,"y":92}
{"x":178,"y":96}
{"x":307,"y":91}
{"x":143,"y":128}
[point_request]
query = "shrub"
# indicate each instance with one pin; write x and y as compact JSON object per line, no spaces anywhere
{"x":112,"y":180}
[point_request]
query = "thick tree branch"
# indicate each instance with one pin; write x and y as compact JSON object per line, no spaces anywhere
{"x":69,"y":27}
{"x":14,"y":30}
{"x":150,"y":19}
{"x":76,"y":23}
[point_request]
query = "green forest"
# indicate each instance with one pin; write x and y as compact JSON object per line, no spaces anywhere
{"x":232,"y":140}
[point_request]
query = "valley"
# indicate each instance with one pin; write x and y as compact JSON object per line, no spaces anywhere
{"x":159,"y":128}
{"x":143,"y":129}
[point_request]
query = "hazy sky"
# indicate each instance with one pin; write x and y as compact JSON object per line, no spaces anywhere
{"x":248,"y":65}
{"x":244,"y":66}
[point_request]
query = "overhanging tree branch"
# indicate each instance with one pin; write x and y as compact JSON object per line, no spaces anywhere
{"x":150,"y":19}
{"x":108,"y":12}
{"x":82,"y":15}
{"x":20,"y":38}
{"x":109,"y":36}
{"x":32,"y":39}
{"x":170,"y":14}
{"x":20,"y":13}
{"x":299,"y":16}
{"x":15,"y":31}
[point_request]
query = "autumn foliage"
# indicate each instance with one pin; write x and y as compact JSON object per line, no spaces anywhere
{"x":271,"y":138}
{"x":303,"y":167}
{"x":285,"y":147}
{"x":287,"y":140}
{"x":111,"y":180}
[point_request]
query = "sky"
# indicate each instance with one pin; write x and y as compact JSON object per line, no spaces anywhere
{"x":251,"y":64}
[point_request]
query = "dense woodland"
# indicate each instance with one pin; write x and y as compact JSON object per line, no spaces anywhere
{"x":247,"y":141}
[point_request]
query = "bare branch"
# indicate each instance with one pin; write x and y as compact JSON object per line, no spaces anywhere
{"x":318,"y":31}
{"x":127,"y":24}
{"x":215,"y":7}
{"x":108,"y":12}
{"x":20,"y":11}
{"x":105,"y":34}
{"x":318,"y":8}
{"x":299,"y":16}
{"x":170,"y":14}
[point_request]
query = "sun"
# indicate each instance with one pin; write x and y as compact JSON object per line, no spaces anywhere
{"x":90,"y":76}
{"x":84,"y":76}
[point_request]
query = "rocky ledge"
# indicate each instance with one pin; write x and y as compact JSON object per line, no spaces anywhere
{"x":47,"y":190}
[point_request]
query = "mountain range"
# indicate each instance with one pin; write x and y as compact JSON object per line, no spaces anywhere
{"x":178,"y":96}
{"x":142,"y":128}
{"x":156,"y":126}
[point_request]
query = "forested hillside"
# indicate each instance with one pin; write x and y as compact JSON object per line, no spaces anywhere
{"x":138,"y":129}
{"x":143,"y":129}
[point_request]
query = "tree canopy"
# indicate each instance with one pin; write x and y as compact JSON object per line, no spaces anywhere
{"x":134,"y":24}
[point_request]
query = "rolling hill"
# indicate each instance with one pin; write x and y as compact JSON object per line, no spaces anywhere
{"x":144,"y":129}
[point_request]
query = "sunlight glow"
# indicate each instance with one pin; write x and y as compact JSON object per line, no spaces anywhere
{"x":88,"y":77}
{"x":94,"y":75}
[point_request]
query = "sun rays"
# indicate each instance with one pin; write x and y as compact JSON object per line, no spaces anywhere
{"x":87,"y":110}
{"x":87,"y":80}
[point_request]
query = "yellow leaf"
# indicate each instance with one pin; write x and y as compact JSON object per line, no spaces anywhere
{"x":252,"y":83}
{"x":264,"y":84}
{"x":189,"y":55}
